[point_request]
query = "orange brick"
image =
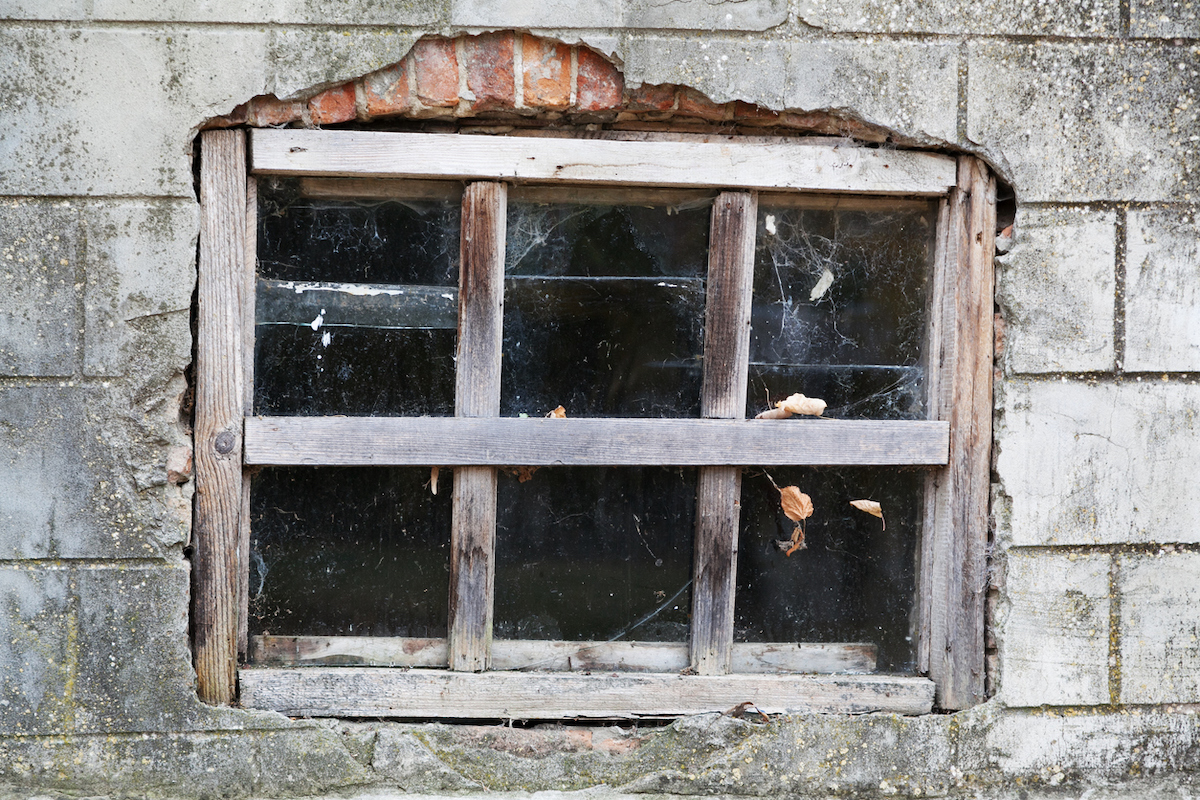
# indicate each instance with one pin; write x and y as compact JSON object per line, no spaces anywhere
{"x":547,"y":78}
{"x":695,"y":104}
{"x":333,"y":105}
{"x":385,"y":93}
{"x":436,"y":66}
{"x":267,"y":110}
{"x":751,"y":111}
{"x":600,"y":84}
{"x":489,"y":68}
{"x":651,"y":98}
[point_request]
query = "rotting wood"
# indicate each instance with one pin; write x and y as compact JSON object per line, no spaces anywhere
{"x":477,"y":394}
{"x":392,"y":693}
{"x":249,"y":271}
{"x":376,"y":189}
{"x":560,"y":656}
{"x":219,"y":403}
{"x":358,"y":305}
{"x":785,"y":165}
{"x":722,"y":396}
{"x":578,"y":441}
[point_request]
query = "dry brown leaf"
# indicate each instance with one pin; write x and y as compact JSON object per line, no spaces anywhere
{"x":796,"y":504}
{"x":558,"y":413}
{"x":525,"y":474}
{"x":433,"y":476}
{"x":799,"y":404}
{"x":871,"y":507}
{"x":797,"y":542}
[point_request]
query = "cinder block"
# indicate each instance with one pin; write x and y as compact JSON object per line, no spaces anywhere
{"x":979,"y":17}
{"x":1162,"y":291}
{"x":141,"y":270}
{"x":1099,"y":463}
{"x":910,"y":87}
{"x":1053,"y":632}
{"x":1057,"y":287}
{"x":1160,"y":648}
{"x":40,"y":244}
{"x":305,"y":12}
{"x":723,"y":69}
{"x":43,"y":9}
{"x":1080,"y":122}
{"x":544,"y":15}
{"x":303,"y":58}
{"x":83,"y":117}
{"x":722,"y":15}
{"x":1165,"y":19}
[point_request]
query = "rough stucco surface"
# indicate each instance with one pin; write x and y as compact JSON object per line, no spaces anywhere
{"x":1089,"y":113}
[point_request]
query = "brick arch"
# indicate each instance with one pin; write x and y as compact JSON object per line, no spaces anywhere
{"x":512,"y":77}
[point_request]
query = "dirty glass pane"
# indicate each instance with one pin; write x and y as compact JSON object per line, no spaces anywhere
{"x":855,"y":580}
{"x":839,"y":308}
{"x":353,"y":551}
{"x":595,"y":553}
{"x":356,"y":307}
{"x":604,"y":308}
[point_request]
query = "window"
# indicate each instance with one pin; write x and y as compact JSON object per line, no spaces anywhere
{"x":374,"y":305}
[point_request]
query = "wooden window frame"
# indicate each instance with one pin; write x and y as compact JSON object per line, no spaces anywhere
{"x":955,"y":440}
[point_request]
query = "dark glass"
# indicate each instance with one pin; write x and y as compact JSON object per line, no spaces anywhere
{"x":839,"y":309}
{"x":595,"y":553}
{"x":356,"y":309}
{"x":855,"y":580}
{"x":353,"y":551}
{"x":604,"y":309}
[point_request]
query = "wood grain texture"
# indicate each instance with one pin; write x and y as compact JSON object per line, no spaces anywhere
{"x":249,"y":273}
{"x":477,"y":394}
{"x":727,"y":164}
{"x":510,"y":441}
{"x":957,"y":563}
{"x":419,"y":693}
{"x":220,"y":397}
{"x":559,"y":656}
{"x":722,"y":396}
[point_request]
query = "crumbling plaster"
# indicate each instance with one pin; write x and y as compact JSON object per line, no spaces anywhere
{"x":1087,"y":108}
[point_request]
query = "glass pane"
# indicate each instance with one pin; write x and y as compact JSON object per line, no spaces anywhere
{"x":357,"y":304}
{"x":604,"y":309}
{"x":839,"y":309}
{"x":855,"y":579}
{"x":595,"y":554}
{"x":354,"y":551}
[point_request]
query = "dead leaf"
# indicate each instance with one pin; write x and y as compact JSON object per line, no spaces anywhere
{"x":797,"y":542}
{"x":558,"y":413}
{"x":799,"y":404}
{"x":796,"y":504}
{"x":871,"y":507}
{"x":433,"y":476}
{"x":522,"y":474}
{"x":774,"y":413}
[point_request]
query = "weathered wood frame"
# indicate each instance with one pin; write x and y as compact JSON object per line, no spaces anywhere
{"x":952,"y":567}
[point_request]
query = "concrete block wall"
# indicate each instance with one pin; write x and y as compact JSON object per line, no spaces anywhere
{"x":1088,"y":109}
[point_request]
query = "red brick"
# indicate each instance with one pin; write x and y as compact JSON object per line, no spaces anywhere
{"x":385,"y":93}
{"x":651,"y":98}
{"x":437,"y":72}
{"x":750,"y":111}
{"x":267,"y":110}
{"x":817,"y":122}
{"x":333,"y":105}
{"x":695,"y":104}
{"x":600,"y":84}
{"x":547,"y":78}
{"x":489,"y":68}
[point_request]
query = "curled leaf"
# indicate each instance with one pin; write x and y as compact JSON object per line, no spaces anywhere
{"x":558,"y":413}
{"x":796,"y":504}
{"x":774,"y":413}
{"x":871,"y":507}
{"x":433,"y":478}
{"x":797,"y":542}
{"x":799,"y":404}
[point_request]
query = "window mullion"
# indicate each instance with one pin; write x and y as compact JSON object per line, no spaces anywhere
{"x":723,"y":396}
{"x":477,"y":394}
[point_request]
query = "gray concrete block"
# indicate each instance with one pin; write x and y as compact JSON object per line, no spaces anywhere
{"x":1053,"y":630}
{"x":1078,"y":122}
{"x":979,"y":17}
{"x":1160,"y":648}
{"x":723,"y":69}
{"x":40,"y":247}
{"x":1099,"y":463}
{"x":138,"y":292}
{"x":548,"y":14}
{"x":1162,"y":291}
{"x":83,"y":473}
{"x":114,"y":110}
{"x":1057,"y":288}
{"x":715,"y":15}
{"x":910,"y":87}
{"x":1164,"y":18}
{"x":320,"y":12}
{"x":43,"y":9}
{"x":304,"y":58}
